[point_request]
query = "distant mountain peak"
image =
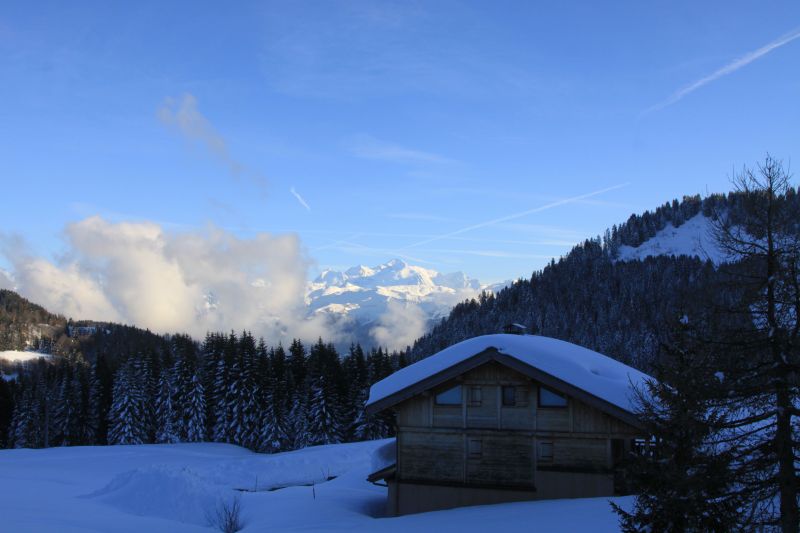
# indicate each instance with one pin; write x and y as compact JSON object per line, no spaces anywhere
{"x":395,"y":264}
{"x":359,"y":271}
{"x":361,"y":295}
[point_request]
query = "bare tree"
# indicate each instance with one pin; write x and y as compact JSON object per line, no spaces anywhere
{"x":761,"y":235}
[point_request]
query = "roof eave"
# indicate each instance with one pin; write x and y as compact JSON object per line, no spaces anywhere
{"x":492,"y":354}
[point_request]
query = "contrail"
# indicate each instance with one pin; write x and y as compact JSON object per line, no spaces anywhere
{"x":515,"y":215}
{"x":727,"y":69}
{"x":299,"y":199}
{"x":334,"y":244}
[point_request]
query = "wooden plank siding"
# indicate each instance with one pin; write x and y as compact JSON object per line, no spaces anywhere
{"x":488,"y":444}
{"x":430,"y":456}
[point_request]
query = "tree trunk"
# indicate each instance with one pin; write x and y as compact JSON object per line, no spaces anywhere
{"x":784,"y":446}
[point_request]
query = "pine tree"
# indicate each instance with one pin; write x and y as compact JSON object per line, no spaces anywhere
{"x":246,"y":394}
{"x":70,"y":403}
{"x":273,"y":435}
{"x":84,"y":431}
{"x":183,"y":372}
{"x":211,"y":375}
{"x":323,"y":414}
{"x":299,"y":422}
{"x":297,"y":364}
{"x":219,"y":395}
{"x":64,"y":411}
{"x":44,"y":406}
{"x":126,"y":421}
{"x":99,"y":399}
{"x":683,"y":474}
{"x":166,"y":419}
{"x":196,"y":412}
{"x":25,"y":422}
{"x":354,"y":368}
{"x":369,"y":427}
{"x":297,"y":395}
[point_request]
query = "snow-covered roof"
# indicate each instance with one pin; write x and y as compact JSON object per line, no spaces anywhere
{"x":592,"y":372}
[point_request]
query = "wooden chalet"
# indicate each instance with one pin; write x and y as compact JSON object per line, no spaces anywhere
{"x":506,"y":417}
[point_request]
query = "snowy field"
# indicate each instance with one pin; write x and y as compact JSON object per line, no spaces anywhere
{"x":168,"y":488}
{"x":18,"y":356}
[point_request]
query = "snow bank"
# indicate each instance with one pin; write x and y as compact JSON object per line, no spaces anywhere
{"x":18,"y":356}
{"x":590,"y":371}
{"x":184,"y":494}
{"x":260,"y":472}
{"x":163,"y":491}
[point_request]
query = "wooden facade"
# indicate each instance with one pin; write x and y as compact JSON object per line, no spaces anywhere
{"x":501,"y":441}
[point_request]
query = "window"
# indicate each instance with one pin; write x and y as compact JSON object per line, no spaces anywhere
{"x":450,"y":396}
{"x":644,"y":447}
{"x":545,"y":451}
{"x":475,"y":448}
{"x":509,"y":396}
{"x":475,"y":395}
{"x":548,"y":398}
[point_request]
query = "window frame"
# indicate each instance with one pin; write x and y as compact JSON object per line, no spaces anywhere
{"x":471,"y":448}
{"x":539,"y":403}
{"x":472,"y":401}
{"x":450,"y":404}
{"x":541,"y":457}
{"x":503,"y":398}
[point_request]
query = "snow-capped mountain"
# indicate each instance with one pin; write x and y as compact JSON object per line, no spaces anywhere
{"x":393,"y":299}
{"x":363,"y":293}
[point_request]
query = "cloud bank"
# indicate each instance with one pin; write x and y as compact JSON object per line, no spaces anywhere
{"x":193,"y":282}
{"x":400,"y":325}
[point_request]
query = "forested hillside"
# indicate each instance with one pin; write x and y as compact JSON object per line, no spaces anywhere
{"x":619,"y":308}
{"x":22,"y":323}
{"x":28,"y":326}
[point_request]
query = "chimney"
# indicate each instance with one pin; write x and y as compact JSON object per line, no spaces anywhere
{"x":515,"y":329}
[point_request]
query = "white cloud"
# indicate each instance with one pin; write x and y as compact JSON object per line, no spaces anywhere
{"x":368,"y":147}
{"x":727,"y":69}
{"x":195,"y":282}
{"x":400,"y":325}
{"x":183,"y":115}
{"x":65,"y":290}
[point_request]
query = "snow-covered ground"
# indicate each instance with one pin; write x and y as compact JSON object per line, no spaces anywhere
{"x":18,"y":356}
{"x":169,"y":488}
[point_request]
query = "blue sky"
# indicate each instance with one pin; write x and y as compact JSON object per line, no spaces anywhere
{"x":381,"y":129}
